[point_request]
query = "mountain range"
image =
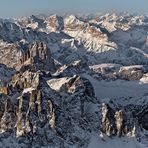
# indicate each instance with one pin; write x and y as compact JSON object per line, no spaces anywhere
{"x":74,"y":81}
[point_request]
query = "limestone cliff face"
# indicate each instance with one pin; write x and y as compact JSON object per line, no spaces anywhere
{"x":34,"y":113}
{"x":32,"y":109}
{"x":38,"y":55}
{"x":117,"y":71}
{"x":128,"y":121}
{"x":24,"y":106}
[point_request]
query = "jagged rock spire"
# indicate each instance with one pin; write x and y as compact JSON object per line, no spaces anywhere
{"x":38,"y":55}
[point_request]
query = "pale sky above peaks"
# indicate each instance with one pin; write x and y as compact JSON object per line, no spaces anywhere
{"x":17,"y":8}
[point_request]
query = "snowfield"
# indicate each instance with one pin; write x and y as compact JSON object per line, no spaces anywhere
{"x":97,"y":142}
{"x":118,"y":88}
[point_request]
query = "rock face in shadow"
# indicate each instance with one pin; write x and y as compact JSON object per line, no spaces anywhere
{"x":108,"y":124}
{"x":74,"y":68}
{"x":30,"y":109}
{"x":116,"y":122}
{"x":38,"y":55}
{"x":23,"y":107}
{"x":126,"y":122}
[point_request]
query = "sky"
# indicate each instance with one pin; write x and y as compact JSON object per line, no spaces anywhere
{"x":18,"y":8}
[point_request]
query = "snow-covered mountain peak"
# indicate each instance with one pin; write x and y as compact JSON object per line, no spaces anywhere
{"x":71,"y":19}
{"x":54,"y":23}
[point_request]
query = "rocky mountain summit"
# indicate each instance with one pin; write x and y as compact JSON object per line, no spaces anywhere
{"x":38,"y":56}
{"x":74,"y":82}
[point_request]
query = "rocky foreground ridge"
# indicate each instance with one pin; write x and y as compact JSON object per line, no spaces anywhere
{"x":67,"y":82}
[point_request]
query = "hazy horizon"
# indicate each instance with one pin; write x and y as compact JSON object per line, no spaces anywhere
{"x":17,"y":8}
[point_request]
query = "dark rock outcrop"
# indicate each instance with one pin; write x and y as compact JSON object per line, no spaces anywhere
{"x":32,"y":109}
{"x":39,"y":57}
{"x":119,"y":123}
